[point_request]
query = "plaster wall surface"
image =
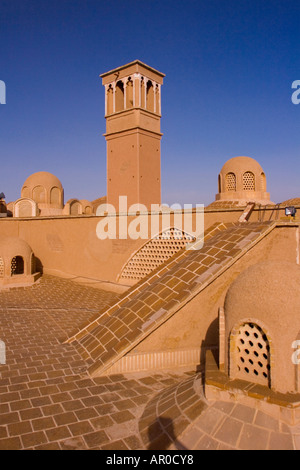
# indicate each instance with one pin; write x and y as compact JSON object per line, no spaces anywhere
{"x":69,"y":245}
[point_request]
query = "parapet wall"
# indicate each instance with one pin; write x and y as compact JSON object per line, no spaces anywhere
{"x":69,"y":246}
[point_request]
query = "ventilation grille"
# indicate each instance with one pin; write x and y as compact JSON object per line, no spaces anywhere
{"x":230,"y":182}
{"x":156,"y":252}
{"x":253,"y":351}
{"x":248,"y":181}
{"x":17,"y":266}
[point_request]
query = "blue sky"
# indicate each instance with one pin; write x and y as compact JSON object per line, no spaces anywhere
{"x":229,"y":68}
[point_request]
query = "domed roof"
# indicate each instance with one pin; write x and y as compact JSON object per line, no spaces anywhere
{"x":14,"y":246}
{"x":263,"y":303}
{"x":43,"y":178}
{"x":242,"y":164}
{"x":269,"y":290}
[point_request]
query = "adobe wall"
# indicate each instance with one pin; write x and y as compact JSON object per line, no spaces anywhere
{"x":196,"y":324}
{"x":68,"y":246}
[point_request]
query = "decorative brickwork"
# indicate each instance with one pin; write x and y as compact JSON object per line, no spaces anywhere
{"x":156,"y":298}
{"x":156,"y":252}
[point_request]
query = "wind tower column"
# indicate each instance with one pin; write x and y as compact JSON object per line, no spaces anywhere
{"x":133,"y":136}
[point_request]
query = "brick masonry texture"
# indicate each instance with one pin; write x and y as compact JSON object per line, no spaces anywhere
{"x":151,"y":302}
{"x":48,"y":402}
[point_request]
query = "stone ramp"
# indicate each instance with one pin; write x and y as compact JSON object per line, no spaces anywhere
{"x":116,"y":331}
{"x":139,"y":287}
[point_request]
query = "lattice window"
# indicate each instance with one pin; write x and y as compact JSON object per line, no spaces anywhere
{"x":1,"y":268}
{"x":248,"y":181}
{"x":17,"y":266}
{"x":230,"y":182}
{"x":253,"y":354}
{"x":156,"y":252}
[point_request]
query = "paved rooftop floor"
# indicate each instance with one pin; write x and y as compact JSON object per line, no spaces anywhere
{"x":47,"y":401}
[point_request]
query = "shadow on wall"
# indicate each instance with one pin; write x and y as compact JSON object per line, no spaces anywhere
{"x":39,"y":265}
{"x":210,"y":342}
{"x":161,"y":435}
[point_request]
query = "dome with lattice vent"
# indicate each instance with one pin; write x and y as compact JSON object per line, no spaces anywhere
{"x":261,"y":310}
{"x":17,"y":262}
{"x":243,"y":179}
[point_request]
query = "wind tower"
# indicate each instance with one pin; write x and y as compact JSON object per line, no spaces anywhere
{"x":133,"y":112}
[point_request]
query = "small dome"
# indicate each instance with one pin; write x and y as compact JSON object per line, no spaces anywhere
{"x":46,"y":190}
{"x":13,"y":246}
{"x":271,"y":288}
{"x":263,"y":302}
{"x":242,"y":179}
{"x":242,"y":164}
{"x":43,"y":178}
{"x":17,"y":263}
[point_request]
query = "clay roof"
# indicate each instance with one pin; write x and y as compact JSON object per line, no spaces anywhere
{"x":43,"y":178}
{"x":237,"y":164}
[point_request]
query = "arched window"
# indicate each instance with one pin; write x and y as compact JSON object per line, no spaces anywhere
{"x":75,"y":208}
{"x":39,"y":194}
{"x":251,"y":354}
{"x":155,"y":252}
{"x":150,"y":96}
{"x":248,"y":181}
{"x":110,"y":100}
{"x":17,"y":266}
{"x":55,"y":196}
{"x":143,"y":104}
{"x":119,"y":96}
{"x":25,"y":192}
{"x":230,"y":180}
{"x":263,"y":182}
{"x":129,"y":93}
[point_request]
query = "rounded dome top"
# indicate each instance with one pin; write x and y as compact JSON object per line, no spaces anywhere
{"x":13,"y":246}
{"x":43,"y":178}
{"x":45,"y":189}
{"x":242,"y":164}
{"x":269,"y":289}
{"x":243,"y":179}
